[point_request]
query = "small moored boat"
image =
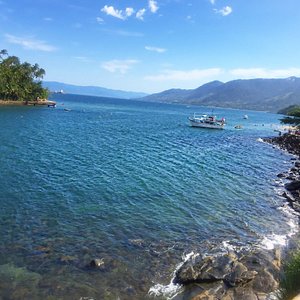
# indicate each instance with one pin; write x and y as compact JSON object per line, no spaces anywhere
{"x":206,"y":121}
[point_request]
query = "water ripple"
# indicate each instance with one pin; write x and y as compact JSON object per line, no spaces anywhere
{"x":131,"y":183}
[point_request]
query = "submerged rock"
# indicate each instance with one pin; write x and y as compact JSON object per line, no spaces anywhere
{"x":97,"y":263}
{"x":18,"y":283}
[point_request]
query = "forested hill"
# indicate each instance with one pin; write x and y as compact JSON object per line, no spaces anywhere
{"x":254,"y":94}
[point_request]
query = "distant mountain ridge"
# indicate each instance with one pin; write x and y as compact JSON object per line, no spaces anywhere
{"x":254,"y":94}
{"x":55,"y":86}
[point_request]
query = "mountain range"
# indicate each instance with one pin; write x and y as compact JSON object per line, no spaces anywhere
{"x":55,"y":86}
{"x":253,"y":94}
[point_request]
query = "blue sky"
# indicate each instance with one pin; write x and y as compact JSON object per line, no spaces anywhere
{"x":150,"y":46}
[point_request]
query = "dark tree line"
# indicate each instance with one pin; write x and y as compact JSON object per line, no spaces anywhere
{"x":292,"y":116}
{"x":20,"y":81}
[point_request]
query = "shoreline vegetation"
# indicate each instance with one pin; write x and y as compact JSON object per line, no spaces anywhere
{"x":32,"y":103}
{"x":20,"y":83}
{"x":254,"y":273}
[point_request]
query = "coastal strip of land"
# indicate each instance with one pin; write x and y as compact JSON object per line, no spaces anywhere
{"x":32,"y":103}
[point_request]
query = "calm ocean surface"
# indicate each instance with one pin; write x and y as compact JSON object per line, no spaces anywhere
{"x":132,"y":184}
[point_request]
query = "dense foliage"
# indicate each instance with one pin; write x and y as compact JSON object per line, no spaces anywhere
{"x":290,"y":283}
{"x":20,"y":81}
{"x":292,"y":116}
{"x":287,"y":110}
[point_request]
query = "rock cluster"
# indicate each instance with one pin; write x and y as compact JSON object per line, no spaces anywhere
{"x":288,"y":142}
{"x":233,"y":275}
{"x":291,"y":143}
{"x":292,"y":193}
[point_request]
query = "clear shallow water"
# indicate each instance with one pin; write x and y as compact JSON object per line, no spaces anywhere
{"x":129,"y":182}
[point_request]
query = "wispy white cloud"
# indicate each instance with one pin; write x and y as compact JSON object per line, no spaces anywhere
{"x":195,"y":74}
{"x":247,"y":73}
{"x":212,"y":2}
{"x":99,"y":20}
{"x":119,"y":66}
{"x":190,"y":19}
{"x":212,"y":73}
{"x":82,"y":59}
{"x":30,"y":43}
{"x":124,"y":33}
{"x":155,"y":49}
{"x":120,"y":14}
{"x":111,"y":11}
{"x":153,"y":6}
{"x":225,"y":11}
{"x":140,"y":14}
{"x":129,"y":11}
{"x":48,"y":19}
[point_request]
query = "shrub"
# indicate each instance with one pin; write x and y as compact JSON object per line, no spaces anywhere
{"x":290,"y":283}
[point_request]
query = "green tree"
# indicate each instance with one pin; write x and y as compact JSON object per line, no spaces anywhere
{"x":292,"y":116}
{"x":20,"y":81}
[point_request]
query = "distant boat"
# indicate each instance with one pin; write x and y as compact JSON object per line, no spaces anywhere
{"x":245,"y":117}
{"x":59,"y":92}
{"x":206,"y":121}
{"x":238,"y":126}
{"x":67,"y":109}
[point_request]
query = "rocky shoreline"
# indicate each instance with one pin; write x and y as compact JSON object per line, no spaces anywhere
{"x":246,"y":274}
{"x":243,"y":274}
{"x":290,"y":143}
{"x":33,"y":103}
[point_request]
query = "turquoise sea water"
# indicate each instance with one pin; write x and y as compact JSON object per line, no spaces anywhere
{"x":132,"y":184}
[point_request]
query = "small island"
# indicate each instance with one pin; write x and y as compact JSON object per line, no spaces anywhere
{"x":20,"y":83}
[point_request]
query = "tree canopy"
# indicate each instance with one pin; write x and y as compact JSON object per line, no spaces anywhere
{"x":292,"y":116}
{"x":20,"y":81}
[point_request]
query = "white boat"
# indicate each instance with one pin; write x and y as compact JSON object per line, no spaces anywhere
{"x":206,"y":121}
{"x":245,"y":117}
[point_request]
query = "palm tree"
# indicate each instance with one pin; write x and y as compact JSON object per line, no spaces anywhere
{"x":20,"y":81}
{"x":3,"y":52}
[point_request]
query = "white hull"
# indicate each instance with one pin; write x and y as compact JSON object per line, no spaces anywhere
{"x":206,"y":125}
